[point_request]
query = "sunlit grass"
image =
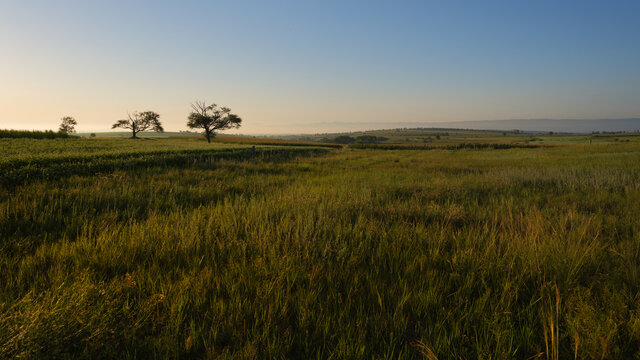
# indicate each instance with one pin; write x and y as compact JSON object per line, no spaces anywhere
{"x":499,"y":254}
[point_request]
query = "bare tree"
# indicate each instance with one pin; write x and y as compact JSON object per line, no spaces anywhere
{"x":68,"y":125}
{"x":212,"y":118}
{"x":138,"y":122}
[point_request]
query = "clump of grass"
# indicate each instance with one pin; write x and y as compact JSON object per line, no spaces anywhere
{"x":551,"y":321}
{"x":81,"y":319}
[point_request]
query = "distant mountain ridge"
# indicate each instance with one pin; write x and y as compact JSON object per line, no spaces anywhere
{"x":537,"y":125}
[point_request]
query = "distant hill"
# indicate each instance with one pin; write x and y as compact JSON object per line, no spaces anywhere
{"x":529,"y":125}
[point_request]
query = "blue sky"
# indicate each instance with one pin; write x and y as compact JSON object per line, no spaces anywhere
{"x":292,"y":66}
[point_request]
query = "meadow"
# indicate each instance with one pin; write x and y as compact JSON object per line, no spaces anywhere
{"x":25,"y":134}
{"x":168,"y":249}
{"x":455,"y":137}
{"x":25,"y":160}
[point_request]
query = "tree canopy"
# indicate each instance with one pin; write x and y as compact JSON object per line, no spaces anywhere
{"x":344,"y":139}
{"x":137,"y":122}
{"x":68,"y":125}
{"x":370,"y":139}
{"x":212,"y":118}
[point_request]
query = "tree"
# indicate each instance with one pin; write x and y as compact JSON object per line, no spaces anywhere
{"x":370,"y":139}
{"x":366,"y":139}
{"x":211,"y":118}
{"x":344,"y":139}
{"x":68,"y":125}
{"x":138,"y":122}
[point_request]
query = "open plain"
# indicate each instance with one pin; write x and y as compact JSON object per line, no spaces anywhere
{"x":175,"y":248}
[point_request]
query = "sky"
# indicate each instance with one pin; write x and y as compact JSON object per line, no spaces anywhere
{"x":303,"y":66}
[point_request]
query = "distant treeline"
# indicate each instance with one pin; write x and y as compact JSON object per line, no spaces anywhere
{"x":35,"y":134}
{"x":442,"y":147}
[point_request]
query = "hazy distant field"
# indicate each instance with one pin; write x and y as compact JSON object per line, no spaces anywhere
{"x":175,"y":248}
{"x":437,"y":137}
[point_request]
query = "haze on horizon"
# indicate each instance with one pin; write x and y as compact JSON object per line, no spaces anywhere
{"x":289,"y":66}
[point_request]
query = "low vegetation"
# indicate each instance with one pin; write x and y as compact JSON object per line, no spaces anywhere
{"x":349,"y":253}
{"x":266,"y":141}
{"x":18,"y":171}
{"x":35,"y":134}
{"x":443,"y":147}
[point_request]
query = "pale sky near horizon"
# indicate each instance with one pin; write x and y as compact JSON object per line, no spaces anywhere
{"x":289,"y":66}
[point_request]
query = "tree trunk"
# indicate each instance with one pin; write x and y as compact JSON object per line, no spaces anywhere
{"x":134,"y":135}
{"x":208,"y":137}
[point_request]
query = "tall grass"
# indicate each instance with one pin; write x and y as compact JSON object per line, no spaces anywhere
{"x":20,"y":170}
{"x":520,"y":253}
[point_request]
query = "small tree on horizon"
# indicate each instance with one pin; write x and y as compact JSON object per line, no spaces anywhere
{"x":137,"y":122}
{"x":68,"y":125}
{"x":211,"y":118}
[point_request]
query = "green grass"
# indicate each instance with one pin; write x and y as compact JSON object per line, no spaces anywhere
{"x":353,"y":253}
{"x":33,"y":148}
{"x":142,"y":135}
{"x":453,"y":137}
{"x":28,"y":160}
{"x":457,"y":146}
{"x":34,"y":134}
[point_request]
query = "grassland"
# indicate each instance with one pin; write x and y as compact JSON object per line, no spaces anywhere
{"x":335,"y":253}
{"x":20,"y":134}
{"x":27,"y":159}
{"x":454,"y":137}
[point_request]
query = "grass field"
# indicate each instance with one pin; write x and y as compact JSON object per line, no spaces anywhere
{"x":168,"y":251}
{"x":450,"y":137}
